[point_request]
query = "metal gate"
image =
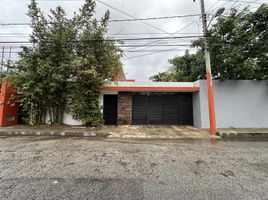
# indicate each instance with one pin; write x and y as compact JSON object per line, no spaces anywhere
{"x":162,"y":108}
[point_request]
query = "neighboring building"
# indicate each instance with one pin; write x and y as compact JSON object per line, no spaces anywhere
{"x":238,"y":103}
{"x":8,"y":105}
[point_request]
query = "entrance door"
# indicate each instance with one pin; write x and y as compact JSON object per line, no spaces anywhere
{"x":110,"y":109}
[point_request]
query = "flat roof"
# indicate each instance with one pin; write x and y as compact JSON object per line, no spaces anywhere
{"x":151,"y":86}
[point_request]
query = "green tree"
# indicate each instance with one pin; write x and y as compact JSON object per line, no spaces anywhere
{"x":238,"y":45}
{"x":188,"y":67}
{"x":167,"y":76}
{"x":67,"y":65}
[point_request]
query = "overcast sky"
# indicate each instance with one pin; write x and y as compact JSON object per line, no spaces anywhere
{"x":137,"y":65}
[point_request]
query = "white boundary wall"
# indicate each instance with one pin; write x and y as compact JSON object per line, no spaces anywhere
{"x":68,"y":117}
{"x":238,"y":104}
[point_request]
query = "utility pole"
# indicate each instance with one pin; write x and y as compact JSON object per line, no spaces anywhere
{"x":2,"y":60}
{"x":9,"y":57}
{"x":211,"y":107}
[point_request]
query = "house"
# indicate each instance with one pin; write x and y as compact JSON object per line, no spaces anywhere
{"x":238,"y":103}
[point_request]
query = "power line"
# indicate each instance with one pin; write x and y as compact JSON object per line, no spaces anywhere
{"x":165,"y":45}
{"x":126,"y":47}
{"x":58,"y":0}
{"x":212,"y":9}
{"x":212,"y":6}
{"x":230,"y":7}
{"x":153,"y":50}
{"x":83,"y":0}
{"x":142,"y":55}
{"x":152,"y":33}
{"x":108,"y":35}
{"x":161,"y":45}
{"x":245,"y":2}
{"x":113,"y":20}
{"x":154,"y":18}
{"x":148,"y":50}
{"x":171,"y":43}
{"x":136,"y":19}
{"x":181,"y":29}
{"x":54,"y":0}
{"x":132,"y":16}
{"x":127,"y":43}
{"x":125,"y":39}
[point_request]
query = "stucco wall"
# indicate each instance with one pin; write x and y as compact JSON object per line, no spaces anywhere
{"x":238,"y":104}
{"x":68,"y":117}
{"x":197,"y":110}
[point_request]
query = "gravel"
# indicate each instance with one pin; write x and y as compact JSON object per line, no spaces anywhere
{"x":75,"y":168}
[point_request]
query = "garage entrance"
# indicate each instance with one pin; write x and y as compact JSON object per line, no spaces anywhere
{"x":110,"y":109}
{"x":162,"y":109}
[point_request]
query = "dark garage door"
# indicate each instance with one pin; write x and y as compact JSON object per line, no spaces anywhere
{"x":162,"y":108}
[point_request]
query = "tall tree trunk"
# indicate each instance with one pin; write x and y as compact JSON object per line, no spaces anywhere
{"x":50,"y":114}
{"x":44,"y":116}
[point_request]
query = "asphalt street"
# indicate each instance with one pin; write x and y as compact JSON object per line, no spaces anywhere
{"x":77,"y":168}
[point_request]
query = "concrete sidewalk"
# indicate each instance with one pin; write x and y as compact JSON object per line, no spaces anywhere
{"x":134,"y":132}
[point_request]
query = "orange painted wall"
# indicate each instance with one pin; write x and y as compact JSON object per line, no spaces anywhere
{"x":8,"y":105}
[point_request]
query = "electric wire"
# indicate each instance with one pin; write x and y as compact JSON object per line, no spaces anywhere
{"x":112,"y":20}
{"x":124,"y":13}
{"x":244,"y":2}
{"x":118,"y":40}
{"x":181,"y":29}
{"x":142,"y":55}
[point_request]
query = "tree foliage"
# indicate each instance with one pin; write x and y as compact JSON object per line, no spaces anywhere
{"x":66,"y":66}
{"x":185,"y":68}
{"x":238,"y":45}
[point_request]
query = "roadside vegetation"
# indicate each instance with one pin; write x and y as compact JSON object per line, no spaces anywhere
{"x":66,"y":66}
{"x":238,"y":45}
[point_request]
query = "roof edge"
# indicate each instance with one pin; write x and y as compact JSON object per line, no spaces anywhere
{"x":151,"y":88}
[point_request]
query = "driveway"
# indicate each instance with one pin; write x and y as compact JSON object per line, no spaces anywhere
{"x":81,"y":168}
{"x":156,"y":132}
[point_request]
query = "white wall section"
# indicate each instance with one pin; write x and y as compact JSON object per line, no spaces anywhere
{"x":238,"y":104}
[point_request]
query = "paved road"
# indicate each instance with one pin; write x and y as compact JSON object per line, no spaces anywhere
{"x":72,"y":168}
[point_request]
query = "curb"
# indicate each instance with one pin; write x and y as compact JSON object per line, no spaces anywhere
{"x":166,"y":137}
{"x":234,"y":134}
{"x":53,"y":133}
{"x":94,"y":134}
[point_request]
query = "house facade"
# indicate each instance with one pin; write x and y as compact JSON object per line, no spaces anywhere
{"x":238,"y":103}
